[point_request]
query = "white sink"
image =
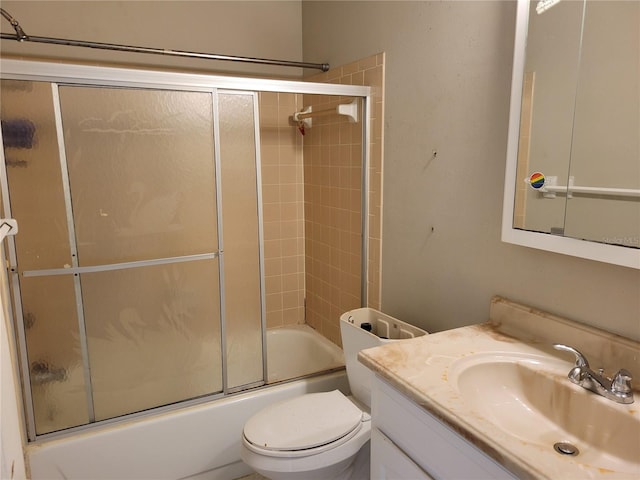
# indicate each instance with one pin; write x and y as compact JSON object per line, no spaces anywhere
{"x":530,"y":398}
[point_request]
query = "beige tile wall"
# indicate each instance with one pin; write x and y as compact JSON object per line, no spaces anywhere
{"x":312,"y":204}
{"x":332,"y":171}
{"x":283,"y":209}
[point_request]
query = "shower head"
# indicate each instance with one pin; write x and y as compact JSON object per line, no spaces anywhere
{"x":20,"y":35}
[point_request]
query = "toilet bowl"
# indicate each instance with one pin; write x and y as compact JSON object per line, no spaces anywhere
{"x":314,"y":436}
{"x":322,"y":436}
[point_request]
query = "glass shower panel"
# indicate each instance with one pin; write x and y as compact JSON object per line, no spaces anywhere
{"x":33,"y":173}
{"x":138,"y":179}
{"x":153,"y":334}
{"x":54,"y":352}
{"x":242,"y":270}
{"x":141,"y":172}
{"x":142,"y":185}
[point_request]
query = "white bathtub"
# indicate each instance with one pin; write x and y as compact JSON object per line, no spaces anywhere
{"x":199,"y":442}
{"x":297,"y":351}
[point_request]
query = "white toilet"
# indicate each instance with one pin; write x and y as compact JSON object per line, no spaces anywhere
{"x":324,"y":435}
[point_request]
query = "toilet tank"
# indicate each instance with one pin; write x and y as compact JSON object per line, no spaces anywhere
{"x":383,"y":329}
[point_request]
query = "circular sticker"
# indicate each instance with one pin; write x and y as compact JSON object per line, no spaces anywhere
{"x":536,"y":180}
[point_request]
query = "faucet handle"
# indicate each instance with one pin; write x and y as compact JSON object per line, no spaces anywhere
{"x":581,"y":360}
{"x":621,"y":382}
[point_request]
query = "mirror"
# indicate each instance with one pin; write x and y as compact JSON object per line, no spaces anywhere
{"x":572,"y":181}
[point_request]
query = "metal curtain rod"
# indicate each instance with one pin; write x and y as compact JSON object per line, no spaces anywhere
{"x":21,"y":36}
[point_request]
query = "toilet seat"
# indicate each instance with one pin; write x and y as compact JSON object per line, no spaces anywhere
{"x":305,"y":425}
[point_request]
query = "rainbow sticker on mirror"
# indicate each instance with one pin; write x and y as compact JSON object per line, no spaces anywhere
{"x":536,"y":180}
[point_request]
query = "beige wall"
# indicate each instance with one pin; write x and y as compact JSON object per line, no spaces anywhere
{"x":263,"y":29}
{"x":448,"y":76}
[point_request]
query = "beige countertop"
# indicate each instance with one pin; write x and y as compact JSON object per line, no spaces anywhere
{"x":426,"y":370}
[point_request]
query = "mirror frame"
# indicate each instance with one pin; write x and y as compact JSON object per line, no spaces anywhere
{"x":613,"y":254}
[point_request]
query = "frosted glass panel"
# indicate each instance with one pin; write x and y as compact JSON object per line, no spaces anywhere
{"x":153,"y":335}
{"x":141,"y":173}
{"x":53,"y":348}
{"x":141,"y":186}
{"x":33,"y":171}
{"x":241,"y":248}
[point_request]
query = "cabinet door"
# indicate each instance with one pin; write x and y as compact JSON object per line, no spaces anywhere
{"x":428,"y":442}
{"x":389,"y":462}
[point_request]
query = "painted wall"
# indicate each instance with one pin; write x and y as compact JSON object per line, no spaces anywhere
{"x":263,"y":29}
{"x":448,"y":77}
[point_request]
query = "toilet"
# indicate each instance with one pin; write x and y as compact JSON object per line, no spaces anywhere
{"x":319,"y":436}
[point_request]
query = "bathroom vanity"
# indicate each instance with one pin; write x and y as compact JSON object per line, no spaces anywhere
{"x":494,"y":401}
{"x":408,"y":442}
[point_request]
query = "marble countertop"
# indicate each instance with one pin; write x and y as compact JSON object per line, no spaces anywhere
{"x":424,"y":369}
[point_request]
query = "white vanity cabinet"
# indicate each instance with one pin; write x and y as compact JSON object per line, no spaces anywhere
{"x":407,"y":442}
{"x":389,"y":462}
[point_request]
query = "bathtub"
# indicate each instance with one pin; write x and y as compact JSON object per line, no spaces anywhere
{"x":297,"y":351}
{"x":200,"y":442}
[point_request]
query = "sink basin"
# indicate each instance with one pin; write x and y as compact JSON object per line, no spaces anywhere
{"x":529,"y":398}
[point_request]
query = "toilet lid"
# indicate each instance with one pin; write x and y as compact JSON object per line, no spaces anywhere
{"x":303,"y":422}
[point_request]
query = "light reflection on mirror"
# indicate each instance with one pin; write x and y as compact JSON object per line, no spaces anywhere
{"x":578,"y":172}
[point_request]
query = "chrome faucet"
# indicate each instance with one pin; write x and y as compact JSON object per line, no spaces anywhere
{"x":617,"y":388}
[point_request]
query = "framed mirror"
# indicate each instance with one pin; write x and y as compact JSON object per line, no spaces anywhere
{"x":572,"y":182}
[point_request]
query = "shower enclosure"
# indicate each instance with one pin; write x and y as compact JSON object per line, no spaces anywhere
{"x":138,"y":275}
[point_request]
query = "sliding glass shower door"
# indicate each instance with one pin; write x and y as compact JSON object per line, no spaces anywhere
{"x":243,"y":257}
{"x":143,"y":198}
{"x":120,"y":195}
